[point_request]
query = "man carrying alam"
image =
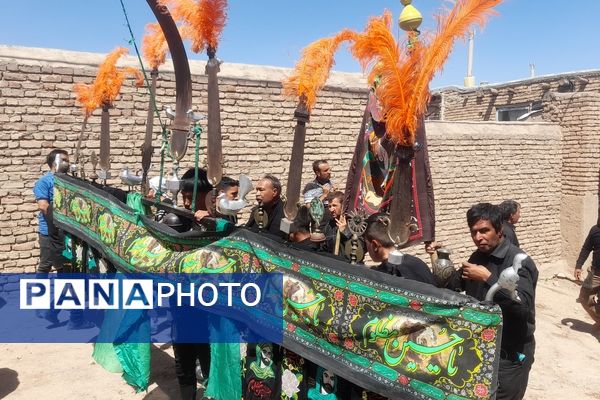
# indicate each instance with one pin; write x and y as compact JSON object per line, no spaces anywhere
{"x":493,"y":255}
{"x":588,"y":295}
{"x":322,"y":179}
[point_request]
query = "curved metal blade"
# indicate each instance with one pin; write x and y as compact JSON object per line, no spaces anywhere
{"x":147,"y":148}
{"x":294,"y":181}
{"x":105,"y":139}
{"x":214,"y":168}
{"x":183,"y":80}
{"x":245,"y":186}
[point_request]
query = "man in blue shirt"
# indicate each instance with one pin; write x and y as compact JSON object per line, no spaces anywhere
{"x":50,"y":239}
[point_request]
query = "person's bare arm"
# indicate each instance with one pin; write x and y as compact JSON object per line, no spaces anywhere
{"x":198,"y":215}
{"x":43,"y":206}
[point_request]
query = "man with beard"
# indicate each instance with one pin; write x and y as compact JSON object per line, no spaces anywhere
{"x":337,"y":225}
{"x":268,"y":195}
{"x":262,"y":378}
{"x":325,"y":386}
{"x":322,"y":178}
{"x":493,"y":255}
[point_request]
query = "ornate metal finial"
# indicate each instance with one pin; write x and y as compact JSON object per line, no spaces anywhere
{"x":410,"y":19}
{"x":94,"y":162}
{"x":317,"y":210}
{"x":443,"y":267}
{"x":260,"y":217}
{"x":357,"y":224}
{"x":508,"y":280}
{"x":173,"y":184}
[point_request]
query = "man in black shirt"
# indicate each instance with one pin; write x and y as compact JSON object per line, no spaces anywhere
{"x":300,"y":231}
{"x":322,"y":179}
{"x":268,"y":195}
{"x":203,"y":188}
{"x":591,"y":286}
{"x":380,"y":245}
{"x":511,"y":213}
{"x":337,"y":224}
{"x":494,"y":254}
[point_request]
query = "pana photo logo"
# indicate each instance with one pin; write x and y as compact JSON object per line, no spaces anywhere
{"x":104,"y":294}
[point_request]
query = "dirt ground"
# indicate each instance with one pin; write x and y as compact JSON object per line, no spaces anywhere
{"x":566,"y":361}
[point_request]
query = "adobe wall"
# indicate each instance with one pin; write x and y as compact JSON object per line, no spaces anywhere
{"x":570,"y":100}
{"x":470,"y":161}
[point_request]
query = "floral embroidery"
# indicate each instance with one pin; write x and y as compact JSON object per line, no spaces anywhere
{"x":289,"y":383}
{"x":481,"y":390}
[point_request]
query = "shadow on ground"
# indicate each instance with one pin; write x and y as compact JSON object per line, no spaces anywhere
{"x":9,"y":381}
{"x":581,"y":326}
{"x":163,"y":374}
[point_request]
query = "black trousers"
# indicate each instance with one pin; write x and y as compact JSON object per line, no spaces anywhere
{"x":513,"y":374}
{"x":186,"y":355}
{"x":51,"y":248}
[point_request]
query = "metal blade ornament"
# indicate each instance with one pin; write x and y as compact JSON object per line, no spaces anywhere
{"x":233,"y":207}
{"x":183,"y":80}
{"x":130,"y":179}
{"x":147,"y":148}
{"x":357,"y":224}
{"x":75,"y":165}
{"x":105,"y":143}
{"x":214,"y":168}
{"x":294,"y":181}
{"x":508,"y":280}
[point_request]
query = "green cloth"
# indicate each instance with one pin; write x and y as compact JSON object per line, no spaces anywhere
{"x":130,"y":359}
{"x":105,"y":355}
{"x":134,"y":201}
{"x":225,"y":378}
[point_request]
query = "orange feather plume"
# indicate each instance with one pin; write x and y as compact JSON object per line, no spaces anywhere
{"x":110,"y":78}
{"x":213,"y":20}
{"x":85,"y":97}
{"x":452,"y":26}
{"x":154,"y":46}
{"x":378,"y":51}
{"x":204,"y":20}
{"x":404,"y":75}
{"x":107,"y":85}
{"x":312,"y":71}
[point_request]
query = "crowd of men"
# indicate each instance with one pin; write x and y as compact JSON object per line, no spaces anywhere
{"x":492,"y":229}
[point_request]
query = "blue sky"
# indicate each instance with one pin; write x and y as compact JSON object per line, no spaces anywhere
{"x":273,"y":32}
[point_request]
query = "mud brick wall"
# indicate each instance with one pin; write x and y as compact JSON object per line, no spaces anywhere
{"x":571,"y":101}
{"x":489,"y":162}
{"x":470,"y":162}
{"x":578,"y":116}
{"x":481,"y":103}
{"x":38,"y":112}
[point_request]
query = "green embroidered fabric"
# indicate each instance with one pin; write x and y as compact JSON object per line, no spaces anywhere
{"x":399,"y":338}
